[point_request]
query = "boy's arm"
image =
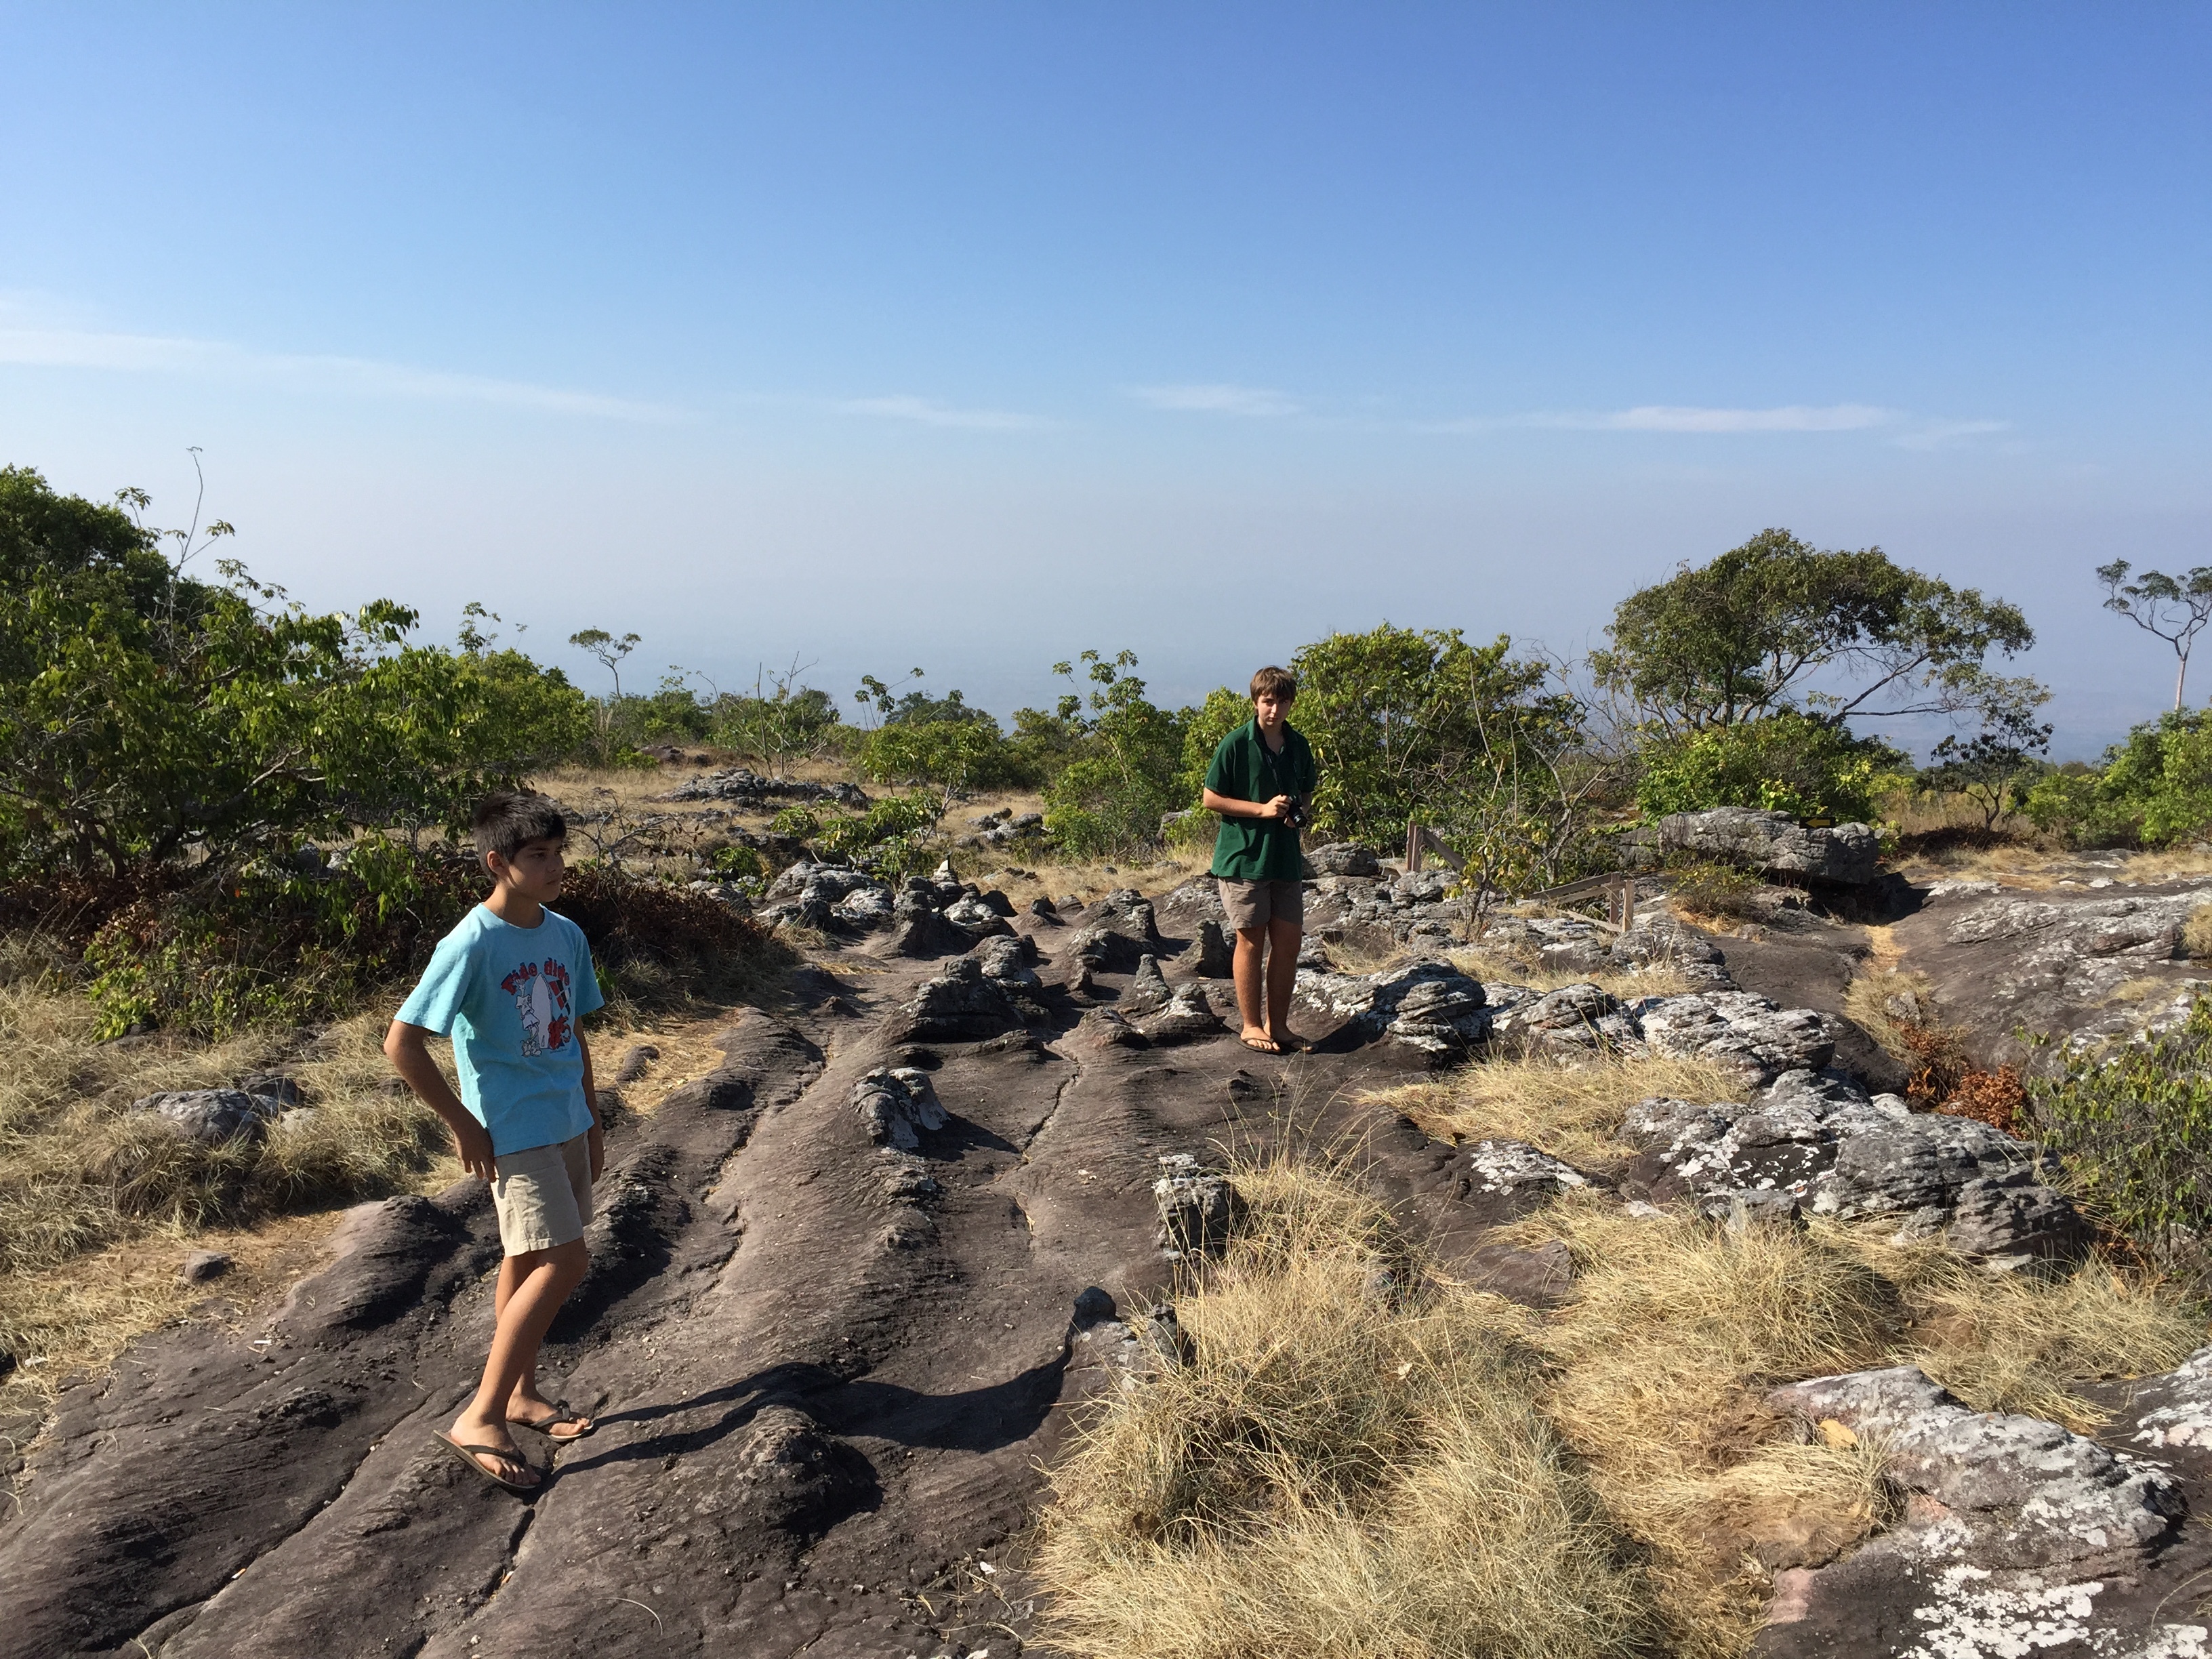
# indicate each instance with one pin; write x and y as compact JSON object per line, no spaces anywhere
{"x":1230,"y":807}
{"x":597,"y":1141}
{"x":406,"y":1047}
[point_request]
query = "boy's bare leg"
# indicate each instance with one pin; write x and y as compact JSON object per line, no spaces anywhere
{"x":1246,"y":966}
{"x":541,"y":1282}
{"x":525,"y":1404}
{"x":1284,"y":938}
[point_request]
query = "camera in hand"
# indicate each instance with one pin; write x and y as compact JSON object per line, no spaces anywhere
{"x":1296,"y":816}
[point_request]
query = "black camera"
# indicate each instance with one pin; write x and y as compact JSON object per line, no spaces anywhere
{"x":1295,"y":817}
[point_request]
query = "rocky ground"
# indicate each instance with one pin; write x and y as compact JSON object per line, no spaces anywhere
{"x":849,"y":1285}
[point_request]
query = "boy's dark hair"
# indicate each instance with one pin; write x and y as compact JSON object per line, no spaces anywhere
{"x":1277,"y":682}
{"x":506,"y":823}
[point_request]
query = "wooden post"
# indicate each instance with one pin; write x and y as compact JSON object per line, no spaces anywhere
{"x":1412,"y":847}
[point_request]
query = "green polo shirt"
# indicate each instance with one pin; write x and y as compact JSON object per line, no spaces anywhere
{"x":1258,"y":849}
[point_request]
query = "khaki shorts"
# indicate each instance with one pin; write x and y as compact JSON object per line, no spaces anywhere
{"x":544,"y":1195}
{"x":1253,"y":904}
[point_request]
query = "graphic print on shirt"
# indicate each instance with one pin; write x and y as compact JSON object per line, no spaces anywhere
{"x":541,"y":1000}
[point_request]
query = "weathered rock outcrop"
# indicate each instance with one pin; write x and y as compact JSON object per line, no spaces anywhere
{"x":1820,"y":1141}
{"x":212,"y":1116}
{"x":1430,"y":1006}
{"x":960,"y":1005}
{"x":2018,"y":1537}
{"x":899,"y":1105}
{"x":1772,"y":843}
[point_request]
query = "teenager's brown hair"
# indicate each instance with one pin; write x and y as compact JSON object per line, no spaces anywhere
{"x":506,"y":823}
{"x":1277,"y":682}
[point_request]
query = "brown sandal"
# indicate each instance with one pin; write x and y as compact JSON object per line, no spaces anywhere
{"x":472,"y":1454}
{"x":1262,"y":1045}
{"x":562,"y":1413}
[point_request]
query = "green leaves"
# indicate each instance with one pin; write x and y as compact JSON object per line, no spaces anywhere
{"x":1787,"y":763}
{"x":2135,"y":1129}
{"x":1775,"y":624}
{"x":140,"y":732}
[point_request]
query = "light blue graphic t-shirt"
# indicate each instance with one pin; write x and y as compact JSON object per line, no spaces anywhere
{"x":510,"y":998}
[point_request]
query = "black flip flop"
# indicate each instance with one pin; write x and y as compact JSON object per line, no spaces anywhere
{"x":469,"y":1455}
{"x":1264,"y":1046}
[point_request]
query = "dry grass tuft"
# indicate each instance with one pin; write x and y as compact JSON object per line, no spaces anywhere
{"x":1657,"y":979}
{"x":1335,"y":1474}
{"x":1569,"y":1111}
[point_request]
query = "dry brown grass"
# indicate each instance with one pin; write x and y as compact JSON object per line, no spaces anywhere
{"x":1282,"y":1493}
{"x":2196,"y":933}
{"x":1867,"y":1002}
{"x":1657,"y":979}
{"x":1678,"y":1326}
{"x":1335,"y":1475}
{"x":1569,"y":1111}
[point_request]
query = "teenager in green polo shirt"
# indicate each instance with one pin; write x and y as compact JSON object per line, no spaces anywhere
{"x":1258,"y":782}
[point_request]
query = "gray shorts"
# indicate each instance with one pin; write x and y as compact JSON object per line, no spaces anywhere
{"x":1253,"y":904}
{"x":542,"y":1194}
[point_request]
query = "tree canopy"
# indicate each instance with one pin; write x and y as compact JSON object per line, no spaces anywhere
{"x":1777,"y":624}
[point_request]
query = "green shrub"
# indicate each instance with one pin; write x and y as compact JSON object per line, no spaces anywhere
{"x":276,"y":944}
{"x":2135,"y":1127}
{"x":1785,"y":763}
{"x":891,"y":837}
{"x":952,"y":755}
{"x":2154,"y":788}
{"x":1127,"y":774}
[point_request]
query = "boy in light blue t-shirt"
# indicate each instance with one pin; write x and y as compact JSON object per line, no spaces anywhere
{"x":509,"y":985}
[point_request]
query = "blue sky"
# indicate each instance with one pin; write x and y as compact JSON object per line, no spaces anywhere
{"x":967,"y":335}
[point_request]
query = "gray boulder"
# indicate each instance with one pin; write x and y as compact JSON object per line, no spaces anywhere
{"x":1574,"y":1016}
{"x":1210,"y":955}
{"x":1519,"y":1171}
{"x":1148,"y":989}
{"x":1198,"y":1208}
{"x":1005,"y":957}
{"x":1746,"y":1033}
{"x":959,"y":1005}
{"x":899,"y":1105}
{"x":1344,"y":858}
{"x":920,"y":929}
{"x":1186,"y":1015}
{"x":1820,"y":1141}
{"x":212,"y":1116}
{"x":1774,"y":842}
{"x":1428,"y":1005}
{"x":2015,"y":1491}
{"x":973,"y":917}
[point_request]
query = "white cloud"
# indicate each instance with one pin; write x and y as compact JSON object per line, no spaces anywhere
{"x":1691,"y":417}
{"x":930,"y":413}
{"x":1214,"y":399}
{"x":63,"y":348}
{"x":1936,"y":435}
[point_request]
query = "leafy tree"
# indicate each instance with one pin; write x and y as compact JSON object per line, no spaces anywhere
{"x":1994,"y":771}
{"x":143,"y":730}
{"x":1396,"y":716}
{"x":1110,"y":797}
{"x":1774,"y":624}
{"x":1786,"y":762}
{"x":2174,"y":608}
{"x":597,"y":642}
{"x":779,"y":721}
{"x":954,"y":756}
